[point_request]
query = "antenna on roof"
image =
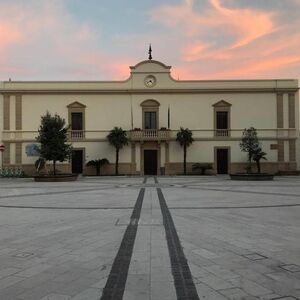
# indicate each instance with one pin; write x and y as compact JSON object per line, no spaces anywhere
{"x":149,"y":52}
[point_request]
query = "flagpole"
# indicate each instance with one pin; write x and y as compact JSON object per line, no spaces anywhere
{"x":131,"y":109}
{"x":131,"y":114}
{"x":169,"y":116}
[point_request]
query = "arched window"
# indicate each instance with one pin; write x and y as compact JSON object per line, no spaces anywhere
{"x":150,"y":114}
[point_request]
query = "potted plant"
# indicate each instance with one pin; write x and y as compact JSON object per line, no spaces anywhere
{"x":98,"y":163}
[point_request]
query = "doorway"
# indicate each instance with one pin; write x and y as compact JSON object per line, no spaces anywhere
{"x":150,"y":162}
{"x":77,"y":161}
{"x":222,"y":161}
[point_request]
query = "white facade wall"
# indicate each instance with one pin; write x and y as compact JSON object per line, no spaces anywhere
{"x":190,"y":104}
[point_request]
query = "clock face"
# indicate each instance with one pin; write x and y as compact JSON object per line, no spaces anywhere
{"x":150,"y":81}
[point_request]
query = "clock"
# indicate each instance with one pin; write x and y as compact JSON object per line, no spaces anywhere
{"x":150,"y":81}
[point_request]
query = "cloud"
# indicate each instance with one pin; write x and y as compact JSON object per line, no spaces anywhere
{"x":9,"y":34}
{"x":205,"y":39}
{"x":42,"y":40}
{"x":247,"y":24}
{"x":222,"y":41}
{"x":242,"y":26}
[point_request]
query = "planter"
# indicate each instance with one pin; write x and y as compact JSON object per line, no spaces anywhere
{"x":252,"y":176}
{"x":56,"y":178}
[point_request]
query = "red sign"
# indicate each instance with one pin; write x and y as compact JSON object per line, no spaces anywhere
{"x":2,"y":147}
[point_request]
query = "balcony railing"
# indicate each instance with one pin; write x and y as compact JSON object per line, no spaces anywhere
{"x":150,"y":135}
{"x":77,"y":134}
{"x":222,"y":132}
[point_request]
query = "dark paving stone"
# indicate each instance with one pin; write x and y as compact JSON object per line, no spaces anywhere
{"x":184,"y":284}
{"x":115,"y":285}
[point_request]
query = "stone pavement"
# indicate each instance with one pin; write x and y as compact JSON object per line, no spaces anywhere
{"x":156,"y":238}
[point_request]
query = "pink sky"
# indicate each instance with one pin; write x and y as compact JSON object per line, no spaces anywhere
{"x":214,"y":40}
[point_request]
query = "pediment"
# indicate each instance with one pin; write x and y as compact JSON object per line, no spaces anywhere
{"x":76,"y":104}
{"x":221,"y":103}
{"x":150,"y":103}
{"x":150,"y":66}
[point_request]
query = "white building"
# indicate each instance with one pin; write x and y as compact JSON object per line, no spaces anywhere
{"x":217,"y":111}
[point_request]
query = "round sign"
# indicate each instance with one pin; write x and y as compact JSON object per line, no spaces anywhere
{"x":2,"y":147}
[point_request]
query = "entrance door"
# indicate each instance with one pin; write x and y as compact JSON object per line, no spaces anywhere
{"x":77,"y":161}
{"x":222,"y":161}
{"x":150,"y":162}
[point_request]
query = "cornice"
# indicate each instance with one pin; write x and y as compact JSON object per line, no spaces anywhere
{"x":147,"y":91}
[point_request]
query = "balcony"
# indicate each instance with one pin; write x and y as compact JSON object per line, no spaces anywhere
{"x":222,"y":132}
{"x":77,"y":134}
{"x":150,"y":135}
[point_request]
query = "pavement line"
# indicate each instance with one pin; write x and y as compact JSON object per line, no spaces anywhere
{"x":56,"y":193}
{"x":65,"y":207}
{"x":240,"y":191}
{"x":115,"y":285}
{"x":184,"y":284}
{"x":237,"y":207}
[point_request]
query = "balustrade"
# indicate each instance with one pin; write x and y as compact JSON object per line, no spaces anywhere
{"x":149,"y":135}
{"x":222,"y":132}
{"x":77,"y":134}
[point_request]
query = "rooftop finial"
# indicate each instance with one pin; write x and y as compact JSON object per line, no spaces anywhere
{"x":150,"y":51}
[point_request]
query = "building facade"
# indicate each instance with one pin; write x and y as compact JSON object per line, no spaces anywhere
{"x":152,"y":106}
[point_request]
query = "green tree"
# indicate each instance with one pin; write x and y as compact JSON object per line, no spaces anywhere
{"x":258,"y":154}
{"x":53,"y":137}
{"x":249,"y":144}
{"x":185,"y":139}
{"x":98,"y":163}
{"x":117,"y":138}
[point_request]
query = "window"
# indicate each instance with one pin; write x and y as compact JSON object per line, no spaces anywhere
{"x":150,"y":120}
{"x":222,"y":118}
{"x":150,"y":115}
{"x":76,"y":121}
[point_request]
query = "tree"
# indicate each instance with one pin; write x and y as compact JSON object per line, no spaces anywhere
{"x":98,"y":163}
{"x":117,"y":138}
{"x":249,"y":144}
{"x":53,"y":136}
{"x":185,"y":139}
{"x":258,"y":154}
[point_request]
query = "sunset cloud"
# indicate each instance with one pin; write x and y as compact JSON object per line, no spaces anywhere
{"x":230,"y":41}
{"x":44,"y":38}
{"x":207,"y":39}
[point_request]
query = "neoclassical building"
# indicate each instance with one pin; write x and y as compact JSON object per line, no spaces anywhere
{"x":152,"y":106}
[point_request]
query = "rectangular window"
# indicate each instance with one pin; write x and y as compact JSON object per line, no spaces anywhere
{"x":222,"y":120}
{"x":222,"y":123}
{"x":150,"y":120}
{"x":77,"y":121}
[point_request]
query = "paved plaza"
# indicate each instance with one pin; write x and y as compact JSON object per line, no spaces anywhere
{"x":154,"y":238}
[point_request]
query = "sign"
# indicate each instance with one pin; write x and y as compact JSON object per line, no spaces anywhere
{"x":32,"y":150}
{"x":2,"y":147}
